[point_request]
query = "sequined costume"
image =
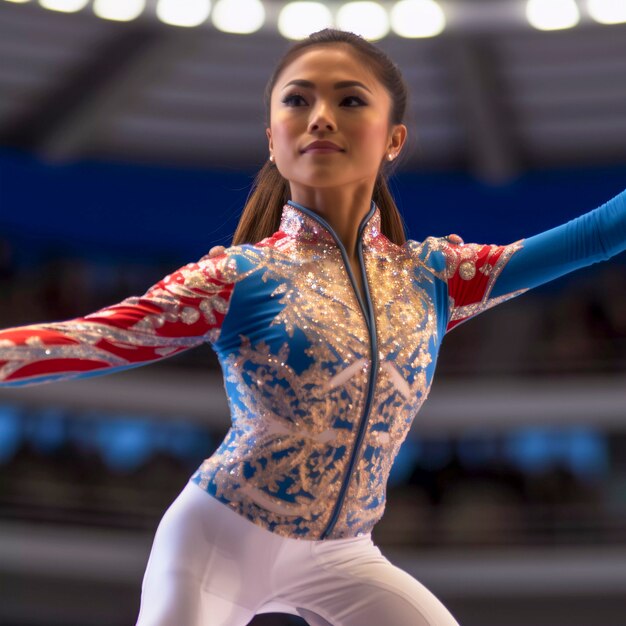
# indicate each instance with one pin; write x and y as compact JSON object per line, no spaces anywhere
{"x":322,"y":384}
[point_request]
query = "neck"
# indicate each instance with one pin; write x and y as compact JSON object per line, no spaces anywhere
{"x":343,"y":209}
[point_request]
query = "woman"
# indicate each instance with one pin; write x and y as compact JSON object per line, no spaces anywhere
{"x":327,"y":324}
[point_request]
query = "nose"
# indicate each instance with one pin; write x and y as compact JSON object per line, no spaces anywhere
{"x":321,"y":118}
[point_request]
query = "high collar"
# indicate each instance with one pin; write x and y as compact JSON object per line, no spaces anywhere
{"x":304,"y":223}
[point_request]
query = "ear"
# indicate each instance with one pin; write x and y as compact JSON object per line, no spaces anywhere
{"x":268,"y":132}
{"x":397,"y":139}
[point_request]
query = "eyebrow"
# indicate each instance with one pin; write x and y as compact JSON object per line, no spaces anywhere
{"x":342,"y":84}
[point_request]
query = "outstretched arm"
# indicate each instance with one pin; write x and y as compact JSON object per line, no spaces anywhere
{"x":482,"y":276}
{"x":592,"y":237}
{"x":181,"y":311}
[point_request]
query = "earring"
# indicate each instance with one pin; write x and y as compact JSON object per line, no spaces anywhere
{"x":272,"y":158}
{"x":390,"y":156}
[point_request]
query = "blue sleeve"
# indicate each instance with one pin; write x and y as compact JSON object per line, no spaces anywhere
{"x":592,"y":237}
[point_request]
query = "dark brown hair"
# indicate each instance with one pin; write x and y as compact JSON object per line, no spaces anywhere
{"x":261,"y":215}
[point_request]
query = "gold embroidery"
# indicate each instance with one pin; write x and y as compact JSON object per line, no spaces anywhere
{"x":285,"y":459}
{"x":467,"y":270}
{"x":196,"y":290}
{"x":462,"y":258}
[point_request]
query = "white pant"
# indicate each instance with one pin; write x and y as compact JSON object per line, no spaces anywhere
{"x":210,"y":566}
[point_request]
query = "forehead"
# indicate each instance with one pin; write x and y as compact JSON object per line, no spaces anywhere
{"x":328,"y":64}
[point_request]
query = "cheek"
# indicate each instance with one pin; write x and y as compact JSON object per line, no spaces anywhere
{"x":371,"y":131}
{"x":284,"y":130}
{"x":372,"y":141}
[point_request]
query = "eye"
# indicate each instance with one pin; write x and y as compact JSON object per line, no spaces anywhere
{"x":361,"y":102}
{"x":295,"y":96}
{"x":290,"y":98}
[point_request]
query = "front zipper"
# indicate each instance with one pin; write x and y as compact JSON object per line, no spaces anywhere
{"x":370,"y":320}
{"x":370,"y":389}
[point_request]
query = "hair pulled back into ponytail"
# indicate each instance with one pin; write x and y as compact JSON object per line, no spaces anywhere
{"x":270,"y":191}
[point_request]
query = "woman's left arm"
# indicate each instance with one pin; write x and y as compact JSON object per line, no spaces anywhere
{"x":592,"y":237}
{"x":480,"y":277}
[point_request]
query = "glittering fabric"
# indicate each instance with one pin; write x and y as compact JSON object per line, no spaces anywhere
{"x":299,"y":377}
{"x":323,"y":385}
{"x":181,"y":311}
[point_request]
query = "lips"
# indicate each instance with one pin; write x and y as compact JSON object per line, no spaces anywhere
{"x":323,"y":146}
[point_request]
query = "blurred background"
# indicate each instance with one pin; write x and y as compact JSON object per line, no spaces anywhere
{"x":130,"y":134}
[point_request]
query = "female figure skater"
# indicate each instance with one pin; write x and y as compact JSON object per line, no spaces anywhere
{"x":327,"y":324}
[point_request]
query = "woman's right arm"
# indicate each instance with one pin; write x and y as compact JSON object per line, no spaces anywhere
{"x":181,"y":311}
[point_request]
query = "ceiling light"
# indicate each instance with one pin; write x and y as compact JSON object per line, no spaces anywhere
{"x":368,"y":19}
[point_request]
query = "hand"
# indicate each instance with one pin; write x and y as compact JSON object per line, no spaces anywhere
{"x":454,"y":239}
{"x":216,"y":251}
